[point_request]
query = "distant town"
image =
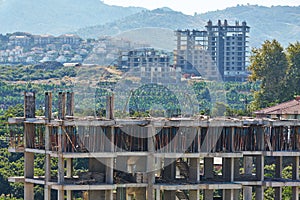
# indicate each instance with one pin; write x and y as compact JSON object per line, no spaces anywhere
{"x":219,"y":51}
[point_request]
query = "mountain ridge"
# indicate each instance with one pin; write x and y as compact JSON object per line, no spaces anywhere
{"x":266,"y":23}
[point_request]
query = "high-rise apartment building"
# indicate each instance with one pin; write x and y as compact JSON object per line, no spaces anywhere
{"x":220,"y":47}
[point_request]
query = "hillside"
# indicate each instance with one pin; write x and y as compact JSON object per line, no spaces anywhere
{"x":57,"y":16}
{"x":265,"y":23}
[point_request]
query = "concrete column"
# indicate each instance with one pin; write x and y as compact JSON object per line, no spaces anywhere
{"x":295,"y":191}
{"x":122,"y":165}
{"x":95,"y":165}
{"x":69,"y":167}
{"x":236,"y":169}
{"x":170,"y":169}
{"x":228,"y":169}
{"x":121,"y":194}
{"x":230,"y":194}
{"x":69,"y":175}
{"x":28,"y":191}
{"x":61,"y":179}
{"x":194,"y":176}
{"x":150,"y":166}
{"x":47,"y":193}
{"x":140,"y":193}
{"x":28,"y":173}
{"x":157,"y":194}
{"x":278,"y":174}
{"x":194,"y":195}
{"x":208,"y":194}
{"x":169,"y":195}
{"x":248,"y":167}
{"x":208,"y":168}
{"x":194,"y":170}
{"x":259,"y":193}
{"x":47,"y":189}
{"x":260,"y":161}
{"x":295,"y":176}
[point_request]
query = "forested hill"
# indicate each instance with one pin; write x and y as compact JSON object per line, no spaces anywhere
{"x":57,"y":16}
{"x":94,"y":18}
{"x":277,"y":22}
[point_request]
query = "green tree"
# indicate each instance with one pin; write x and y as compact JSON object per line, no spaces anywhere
{"x":268,"y":66}
{"x":293,"y":73}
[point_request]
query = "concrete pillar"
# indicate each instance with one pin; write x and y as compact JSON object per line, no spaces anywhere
{"x":28,"y":173}
{"x":208,"y":168}
{"x":170,"y":169}
{"x":61,"y":105}
{"x":47,"y":189}
{"x":259,"y":164}
{"x":194,"y":170}
{"x":230,"y":195}
{"x":28,"y":191}
{"x":150,"y":166}
{"x":248,"y":167}
{"x":61,"y":179}
{"x":295,"y":176}
{"x":194,"y":195}
{"x":121,"y":194}
{"x":295,"y":191}
{"x":278,"y":174}
{"x":157,"y":194}
{"x":122,"y":165}
{"x":228,"y":169}
{"x":95,"y":165}
{"x":194,"y":176}
{"x":236,"y":169}
{"x":208,"y":194}
{"x":69,"y":167}
{"x":169,"y":195}
{"x":140,"y":193}
{"x":259,"y":193}
{"x":69,"y":175}
{"x":47,"y":192}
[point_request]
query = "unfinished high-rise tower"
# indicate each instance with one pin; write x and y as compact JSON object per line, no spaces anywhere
{"x":222,"y":46}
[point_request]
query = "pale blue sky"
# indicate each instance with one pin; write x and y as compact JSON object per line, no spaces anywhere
{"x":199,"y":6}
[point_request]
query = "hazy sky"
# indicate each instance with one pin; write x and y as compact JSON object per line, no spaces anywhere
{"x":199,"y":6}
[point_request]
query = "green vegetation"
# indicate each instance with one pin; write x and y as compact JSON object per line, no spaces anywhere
{"x":277,"y":71}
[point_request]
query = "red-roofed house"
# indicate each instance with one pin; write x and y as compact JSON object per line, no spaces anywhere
{"x":286,"y":110}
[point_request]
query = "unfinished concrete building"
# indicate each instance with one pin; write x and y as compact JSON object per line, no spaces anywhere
{"x":162,"y":158}
{"x":225,"y":47}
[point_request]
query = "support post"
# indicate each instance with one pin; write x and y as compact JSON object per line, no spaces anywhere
{"x":29,"y":112}
{"x":150,"y":168}
{"x":278,"y":174}
{"x":61,"y":105}
{"x":295,"y":176}
{"x":259,"y":193}
{"x":208,"y":168}
{"x":248,"y":167}
{"x":208,"y":194}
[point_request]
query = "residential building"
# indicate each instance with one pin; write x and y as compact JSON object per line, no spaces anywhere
{"x":286,"y":110}
{"x":226,"y":47}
